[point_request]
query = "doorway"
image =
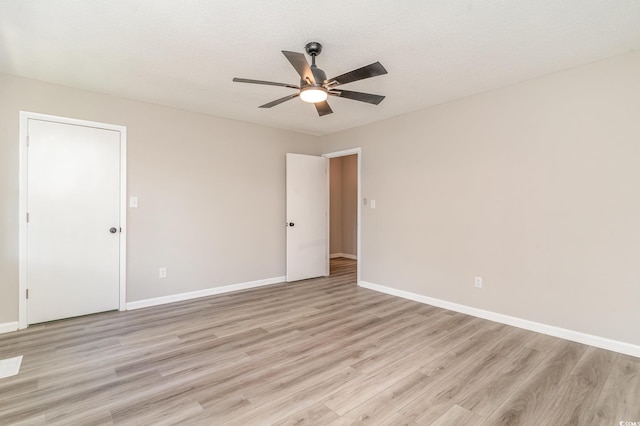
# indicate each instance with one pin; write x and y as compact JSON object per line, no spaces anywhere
{"x":344,"y":211}
{"x":308,"y":185}
{"x":72,"y":218}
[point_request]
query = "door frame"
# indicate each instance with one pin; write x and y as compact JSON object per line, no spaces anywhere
{"x":344,"y":153}
{"x":25,"y":116}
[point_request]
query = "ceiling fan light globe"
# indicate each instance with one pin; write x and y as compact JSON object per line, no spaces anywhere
{"x":313,"y":95}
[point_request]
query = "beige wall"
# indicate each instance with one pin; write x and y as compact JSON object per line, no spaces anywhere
{"x":344,"y":205}
{"x":211,"y":191}
{"x":534,"y":187}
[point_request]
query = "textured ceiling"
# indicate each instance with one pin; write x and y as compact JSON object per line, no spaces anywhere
{"x":184,"y":54}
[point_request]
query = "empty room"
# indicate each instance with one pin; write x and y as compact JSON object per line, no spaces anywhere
{"x":286,"y":213}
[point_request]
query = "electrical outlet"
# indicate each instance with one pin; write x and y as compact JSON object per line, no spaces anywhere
{"x":162,"y":272}
{"x":478,"y":282}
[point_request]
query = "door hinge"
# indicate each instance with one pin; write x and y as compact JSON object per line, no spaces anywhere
{"x":27,"y":217}
{"x":27,"y":140}
{"x":27,"y":293}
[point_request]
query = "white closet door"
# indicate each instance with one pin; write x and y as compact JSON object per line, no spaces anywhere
{"x":74,"y":221}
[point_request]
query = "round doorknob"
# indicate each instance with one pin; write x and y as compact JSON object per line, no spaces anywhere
{"x":113,"y":230}
{"x":291,"y":223}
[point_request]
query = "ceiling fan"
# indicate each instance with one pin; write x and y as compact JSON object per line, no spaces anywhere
{"x":315,"y":87}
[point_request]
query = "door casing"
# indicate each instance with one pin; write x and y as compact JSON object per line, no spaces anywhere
{"x":22,"y":210}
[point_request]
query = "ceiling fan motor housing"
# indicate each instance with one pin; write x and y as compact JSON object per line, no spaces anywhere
{"x":319,"y":75}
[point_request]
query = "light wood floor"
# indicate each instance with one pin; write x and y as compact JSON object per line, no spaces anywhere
{"x":321,"y":352}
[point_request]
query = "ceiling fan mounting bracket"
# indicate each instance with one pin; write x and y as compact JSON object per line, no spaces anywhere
{"x":313,"y":48}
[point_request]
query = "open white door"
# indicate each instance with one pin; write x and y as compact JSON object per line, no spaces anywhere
{"x":307,"y":206}
{"x":73,"y":230}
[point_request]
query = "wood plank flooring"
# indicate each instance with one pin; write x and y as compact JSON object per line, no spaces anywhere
{"x":321,"y":352}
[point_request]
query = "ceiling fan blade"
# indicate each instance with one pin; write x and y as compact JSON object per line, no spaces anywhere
{"x":301,"y":65}
{"x":357,"y":96}
{"x":269,"y":83}
{"x":279,"y":101}
{"x":371,"y":70}
{"x":323,"y":108}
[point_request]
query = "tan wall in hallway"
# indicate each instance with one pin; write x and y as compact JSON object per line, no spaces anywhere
{"x":344,"y":205}
{"x":335,"y":205}
{"x":350,"y":205}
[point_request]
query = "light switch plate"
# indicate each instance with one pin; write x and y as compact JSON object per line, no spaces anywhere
{"x":133,"y":202}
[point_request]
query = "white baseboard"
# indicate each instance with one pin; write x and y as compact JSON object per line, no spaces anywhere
{"x":8,"y":327}
{"x":563,"y":333}
{"x":345,"y":255}
{"x":201,"y":293}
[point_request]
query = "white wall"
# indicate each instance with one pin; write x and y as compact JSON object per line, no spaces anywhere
{"x":211,"y":191}
{"x":535,"y":187}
